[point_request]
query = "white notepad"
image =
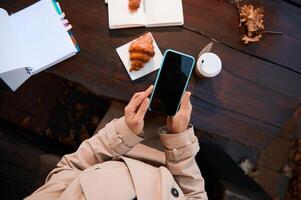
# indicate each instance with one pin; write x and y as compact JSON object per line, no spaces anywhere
{"x":151,"y":13}
{"x":32,"y":40}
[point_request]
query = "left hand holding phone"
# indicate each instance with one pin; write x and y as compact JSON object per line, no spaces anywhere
{"x":135,"y":111}
{"x":180,"y":121}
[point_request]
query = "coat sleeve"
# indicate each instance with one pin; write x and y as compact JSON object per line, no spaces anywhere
{"x":180,"y":151}
{"x":113,"y":140}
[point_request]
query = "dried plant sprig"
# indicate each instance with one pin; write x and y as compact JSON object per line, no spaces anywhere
{"x":272,"y":32}
{"x":238,"y":10}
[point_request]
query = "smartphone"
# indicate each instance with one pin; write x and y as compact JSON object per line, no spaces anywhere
{"x":171,"y":82}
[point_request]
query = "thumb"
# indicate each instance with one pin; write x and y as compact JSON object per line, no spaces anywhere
{"x":185,"y":101}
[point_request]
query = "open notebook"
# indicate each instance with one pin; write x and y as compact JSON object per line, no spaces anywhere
{"x":32,"y":40}
{"x":151,"y":13}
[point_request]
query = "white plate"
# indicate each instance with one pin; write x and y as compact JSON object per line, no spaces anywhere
{"x":152,"y":65}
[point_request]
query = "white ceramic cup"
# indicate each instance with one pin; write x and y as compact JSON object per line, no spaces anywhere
{"x":208,"y":65}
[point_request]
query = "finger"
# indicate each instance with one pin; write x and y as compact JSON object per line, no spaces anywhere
{"x":149,"y":90}
{"x":142,"y":109}
{"x":189,"y":102}
{"x":189,"y":107}
{"x":137,"y":94}
{"x":136,"y":102}
{"x":169,"y":119}
{"x":185,"y":103}
{"x":137,"y":98}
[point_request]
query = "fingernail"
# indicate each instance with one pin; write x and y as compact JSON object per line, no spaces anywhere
{"x":146,"y":102}
{"x":150,"y":88}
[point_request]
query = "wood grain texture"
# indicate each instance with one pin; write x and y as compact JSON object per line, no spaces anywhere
{"x":26,"y":160}
{"x":36,"y":96}
{"x":294,"y":2}
{"x":249,"y":101}
{"x":219,"y":20}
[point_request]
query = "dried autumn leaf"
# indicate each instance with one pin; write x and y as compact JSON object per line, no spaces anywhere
{"x":253,"y":20}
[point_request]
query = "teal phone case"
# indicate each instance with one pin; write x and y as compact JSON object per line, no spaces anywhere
{"x":187,"y":81}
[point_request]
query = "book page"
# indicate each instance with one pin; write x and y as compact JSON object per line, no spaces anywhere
{"x":41,"y":32}
{"x":9,"y":50}
{"x":15,"y":78}
{"x":121,"y":17}
{"x":164,"y":13}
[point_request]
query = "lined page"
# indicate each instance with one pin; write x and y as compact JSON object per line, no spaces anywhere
{"x":9,"y":50}
{"x":41,"y":32}
{"x":164,"y":13}
{"x":121,"y":17}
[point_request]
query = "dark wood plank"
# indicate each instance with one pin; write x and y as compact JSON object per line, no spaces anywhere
{"x":26,"y":159}
{"x":219,"y":20}
{"x":294,"y":2}
{"x":237,"y":95}
{"x":248,"y":102}
{"x":259,"y":72}
{"x":228,"y":124}
{"x":23,"y":119}
{"x":37,"y":96}
{"x":3,"y":88}
{"x":31,"y":106}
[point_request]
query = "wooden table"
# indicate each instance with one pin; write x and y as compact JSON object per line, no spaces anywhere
{"x":256,"y":92}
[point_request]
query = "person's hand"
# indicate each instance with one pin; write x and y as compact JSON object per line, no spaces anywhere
{"x":135,"y":111}
{"x":180,"y":121}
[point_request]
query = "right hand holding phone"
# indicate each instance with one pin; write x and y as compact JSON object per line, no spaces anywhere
{"x":180,"y":121}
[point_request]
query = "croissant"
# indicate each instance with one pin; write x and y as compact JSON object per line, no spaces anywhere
{"x":134,"y":4}
{"x":141,"y":51}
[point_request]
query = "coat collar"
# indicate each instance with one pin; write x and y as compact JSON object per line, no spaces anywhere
{"x":146,"y":179}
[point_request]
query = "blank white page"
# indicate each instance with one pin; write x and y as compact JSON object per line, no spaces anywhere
{"x":42,"y":34}
{"x":121,"y":17}
{"x":164,"y":12}
{"x":9,"y":50}
{"x":15,"y":78}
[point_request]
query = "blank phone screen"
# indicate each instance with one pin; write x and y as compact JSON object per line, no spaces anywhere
{"x":171,"y":83}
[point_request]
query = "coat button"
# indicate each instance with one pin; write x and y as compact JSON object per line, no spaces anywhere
{"x":174,"y":192}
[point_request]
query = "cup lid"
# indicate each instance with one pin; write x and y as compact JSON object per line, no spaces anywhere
{"x":209,"y":64}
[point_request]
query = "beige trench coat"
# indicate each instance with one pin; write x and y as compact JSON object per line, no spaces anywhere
{"x":113,"y":165}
